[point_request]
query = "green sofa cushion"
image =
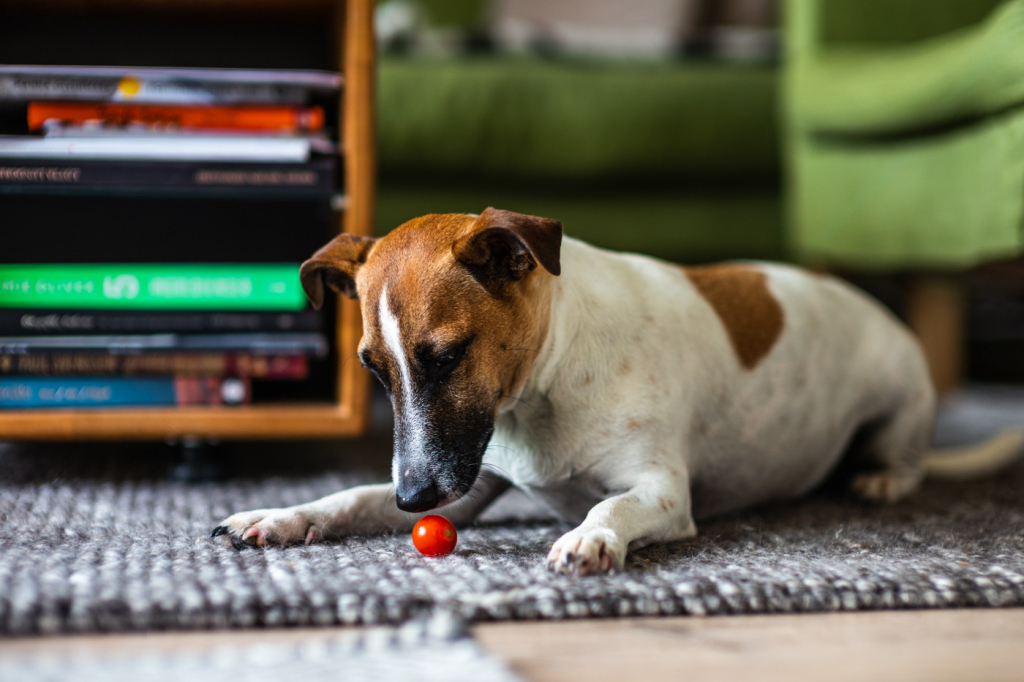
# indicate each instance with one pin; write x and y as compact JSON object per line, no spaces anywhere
{"x":941,"y":201}
{"x":571,"y":120}
{"x":683,"y":226}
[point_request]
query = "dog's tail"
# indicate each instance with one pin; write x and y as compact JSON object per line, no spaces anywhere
{"x":976,"y":461}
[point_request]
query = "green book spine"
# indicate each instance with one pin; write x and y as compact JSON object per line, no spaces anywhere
{"x":152,"y":287}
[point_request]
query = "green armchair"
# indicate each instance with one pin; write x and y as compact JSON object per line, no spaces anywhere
{"x":905,"y":137}
{"x":906,"y":154}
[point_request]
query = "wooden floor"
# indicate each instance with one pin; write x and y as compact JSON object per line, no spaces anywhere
{"x":932,"y":646}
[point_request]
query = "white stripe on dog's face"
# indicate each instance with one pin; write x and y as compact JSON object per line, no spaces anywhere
{"x":392,"y":334}
{"x":393,"y":338}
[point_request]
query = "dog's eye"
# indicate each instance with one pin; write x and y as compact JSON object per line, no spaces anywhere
{"x":438,"y":363}
{"x":370,"y":366}
{"x":443,"y":363}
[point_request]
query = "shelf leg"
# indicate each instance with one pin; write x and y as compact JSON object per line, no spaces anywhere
{"x":199,"y":462}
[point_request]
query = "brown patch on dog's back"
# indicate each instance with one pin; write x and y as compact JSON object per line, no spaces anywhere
{"x":750,"y":313}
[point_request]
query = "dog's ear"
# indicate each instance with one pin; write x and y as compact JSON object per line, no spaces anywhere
{"x":336,"y":264}
{"x":505,"y":247}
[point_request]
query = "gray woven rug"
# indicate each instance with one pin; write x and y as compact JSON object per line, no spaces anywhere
{"x":123,"y":550}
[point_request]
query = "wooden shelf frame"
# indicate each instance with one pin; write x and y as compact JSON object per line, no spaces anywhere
{"x":347,"y":417}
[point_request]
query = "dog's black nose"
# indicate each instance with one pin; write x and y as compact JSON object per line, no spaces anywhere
{"x":421,"y":500}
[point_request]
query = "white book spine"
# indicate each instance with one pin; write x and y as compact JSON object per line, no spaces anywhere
{"x":280,"y":150}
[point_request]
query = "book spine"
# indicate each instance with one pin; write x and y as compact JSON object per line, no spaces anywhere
{"x":315,"y":176}
{"x":23,"y":321}
{"x":20,"y":392}
{"x":282,"y":119}
{"x":29,"y":392}
{"x":142,"y":90}
{"x":280,"y":367}
{"x":153,"y":286}
{"x":212,"y":391}
{"x":303,"y":343}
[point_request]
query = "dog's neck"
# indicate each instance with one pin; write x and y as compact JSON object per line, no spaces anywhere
{"x":571,"y":314}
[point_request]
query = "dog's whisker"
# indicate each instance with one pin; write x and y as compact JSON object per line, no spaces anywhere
{"x":497,"y":468}
{"x":392,"y":493}
{"x":346,"y":360}
{"x":514,"y":397}
{"x":509,"y":449}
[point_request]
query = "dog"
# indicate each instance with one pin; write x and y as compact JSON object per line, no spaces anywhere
{"x":630,"y":395}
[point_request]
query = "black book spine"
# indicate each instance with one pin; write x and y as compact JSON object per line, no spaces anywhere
{"x":314,"y":176}
{"x":277,"y":343}
{"x":15,"y":322}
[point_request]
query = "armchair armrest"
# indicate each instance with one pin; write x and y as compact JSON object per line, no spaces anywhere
{"x":853,"y":91}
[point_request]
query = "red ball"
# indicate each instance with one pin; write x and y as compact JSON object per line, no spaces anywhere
{"x":434,"y":535}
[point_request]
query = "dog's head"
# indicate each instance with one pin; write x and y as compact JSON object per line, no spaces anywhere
{"x":455,"y":309}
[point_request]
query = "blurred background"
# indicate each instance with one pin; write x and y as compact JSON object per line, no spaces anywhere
{"x":651,"y":126}
{"x":881,"y":140}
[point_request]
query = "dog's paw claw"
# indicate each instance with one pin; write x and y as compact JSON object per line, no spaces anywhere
{"x":585,"y":552}
{"x":256,"y":535}
{"x":237,"y":543}
{"x":312,"y":535}
{"x":218,"y":531}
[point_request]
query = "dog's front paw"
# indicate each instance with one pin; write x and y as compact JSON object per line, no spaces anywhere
{"x":268,"y":527}
{"x":585,"y":552}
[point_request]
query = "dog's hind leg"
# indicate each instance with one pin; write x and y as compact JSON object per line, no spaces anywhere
{"x":898,"y":446}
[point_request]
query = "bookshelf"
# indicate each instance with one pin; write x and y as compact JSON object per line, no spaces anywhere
{"x":352,"y":46}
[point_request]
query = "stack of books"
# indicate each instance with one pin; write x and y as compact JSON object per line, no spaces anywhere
{"x":159,"y":129}
{"x":118,"y":334}
{"x":78,"y":330}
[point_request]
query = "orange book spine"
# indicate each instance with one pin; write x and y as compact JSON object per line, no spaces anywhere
{"x":284,"y":119}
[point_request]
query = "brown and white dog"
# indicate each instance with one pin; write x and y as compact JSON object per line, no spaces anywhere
{"x":630,"y":395}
